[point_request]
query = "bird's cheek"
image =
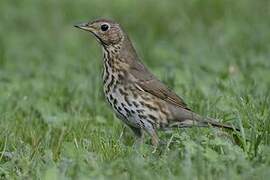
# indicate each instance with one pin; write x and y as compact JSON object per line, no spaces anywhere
{"x":106,"y":40}
{"x":114,"y":39}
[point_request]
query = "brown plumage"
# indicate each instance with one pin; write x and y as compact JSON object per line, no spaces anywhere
{"x":138,"y":98}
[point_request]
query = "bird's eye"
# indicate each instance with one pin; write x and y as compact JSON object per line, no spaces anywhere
{"x":104,"y":27}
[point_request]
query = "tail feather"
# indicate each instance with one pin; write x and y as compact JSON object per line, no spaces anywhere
{"x":214,"y":123}
{"x":186,"y":118}
{"x":201,"y":123}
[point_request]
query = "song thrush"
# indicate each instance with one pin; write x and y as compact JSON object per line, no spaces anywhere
{"x":137,"y":97}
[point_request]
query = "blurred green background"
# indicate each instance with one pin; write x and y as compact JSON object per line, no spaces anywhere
{"x":55,"y":123}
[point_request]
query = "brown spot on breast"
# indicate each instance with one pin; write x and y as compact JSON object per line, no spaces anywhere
{"x":152,"y":117}
{"x":135,"y":95}
{"x":115,"y":102}
{"x":106,"y":75}
{"x":140,"y":110}
{"x":120,"y":77}
{"x":110,"y":84}
{"x":151,"y":107}
{"x":111,"y":97}
{"x":122,"y":104}
{"x":142,"y":116}
{"x":122,"y":92}
{"x":127,"y":100}
{"x":135,"y":103}
{"x":128,"y":112}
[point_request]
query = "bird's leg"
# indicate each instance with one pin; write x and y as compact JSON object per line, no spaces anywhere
{"x":140,"y":139}
{"x":148,"y":127}
{"x":154,"y":141}
{"x":139,"y":136}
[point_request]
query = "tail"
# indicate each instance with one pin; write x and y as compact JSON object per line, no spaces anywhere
{"x":213,"y":122}
{"x":183,"y":118}
{"x":188,"y":123}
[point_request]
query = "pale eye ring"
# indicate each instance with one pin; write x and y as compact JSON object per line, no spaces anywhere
{"x":104,"y":27}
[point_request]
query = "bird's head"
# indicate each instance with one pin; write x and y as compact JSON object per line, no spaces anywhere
{"x":106,"y":31}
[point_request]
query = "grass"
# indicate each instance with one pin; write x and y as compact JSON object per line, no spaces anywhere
{"x":55,"y":124}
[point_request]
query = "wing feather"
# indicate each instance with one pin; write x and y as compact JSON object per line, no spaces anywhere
{"x":149,"y":83}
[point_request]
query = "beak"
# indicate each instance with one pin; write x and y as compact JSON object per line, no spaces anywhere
{"x":84,"y":26}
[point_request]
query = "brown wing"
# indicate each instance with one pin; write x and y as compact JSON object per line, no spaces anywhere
{"x":149,"y":83}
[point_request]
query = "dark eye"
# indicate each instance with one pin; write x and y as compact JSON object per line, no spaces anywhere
{"x":104,"y":27}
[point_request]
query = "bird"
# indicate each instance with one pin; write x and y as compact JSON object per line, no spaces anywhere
{"x":138,"y":98}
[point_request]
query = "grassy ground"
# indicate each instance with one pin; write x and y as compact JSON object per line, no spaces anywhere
{"x":55,"y":124}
